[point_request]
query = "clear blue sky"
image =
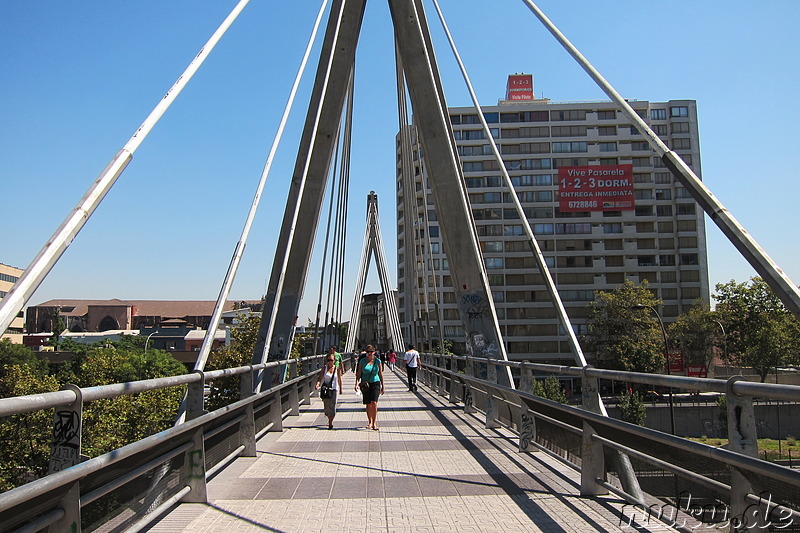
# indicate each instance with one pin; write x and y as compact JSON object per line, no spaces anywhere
{"x":77,"y":79}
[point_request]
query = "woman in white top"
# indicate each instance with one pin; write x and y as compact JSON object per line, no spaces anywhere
{"x":331,"y":376}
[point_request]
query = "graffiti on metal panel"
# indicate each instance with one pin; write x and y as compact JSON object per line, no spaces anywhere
{"x":66,"y":428}
{"x":66,"y":440}
{"x":196,"y":466}
{"x":526,"y":431}
{"x":475,"y":306}
{"x":468,"y":401}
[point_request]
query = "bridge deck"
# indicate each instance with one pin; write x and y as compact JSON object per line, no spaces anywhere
{"x":429,"y":468}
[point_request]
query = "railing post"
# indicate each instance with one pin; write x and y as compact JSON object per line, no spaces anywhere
{"x":247,"y":430}
{"x":593,"y":464}
{"x":454,"y":382}
{"x":246,"y":384}
{"x":491,"y":411}
{"x":590,"y":392}
{"x":527,"y":427}
{"x":276,"y":412}
{"x":742,"y":438}
{"x":67,"y":431}
{"x":71,"y":504}
{"x":469,"y":401}
{"x":491,"y":371}
{"x":526,"y":378}
{"x":194,"y":470}
{"x":294,"y":399}
{"x":195,"y":399}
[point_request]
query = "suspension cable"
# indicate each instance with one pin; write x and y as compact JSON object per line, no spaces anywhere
{"x":58,"y":243}
{"x":537,"y":252}
{"x":317,"y":347}
{"x":208,"y":340}
{"x":295,"y":214}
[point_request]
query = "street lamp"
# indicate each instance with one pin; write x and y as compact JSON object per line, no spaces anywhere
{"x":666,"y":357}
{"x":148,"y":340}
{"x":724,"y":346}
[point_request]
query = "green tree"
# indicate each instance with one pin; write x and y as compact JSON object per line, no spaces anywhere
{"x":621,"y":337}
{"x":632,"y":408}
{"x":24,"y":439}
{"x":239,"y":352}
{"x":550,"y":389}
{"x":760,"y":332}
{"x":697,"y":333}
{"x":113,"y":423}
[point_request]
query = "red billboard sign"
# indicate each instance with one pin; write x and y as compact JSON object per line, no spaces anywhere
{"x":596,"y":188}
{"x":676,"y":362}
{"x":696,"y":371}
{"x":519,"y":87}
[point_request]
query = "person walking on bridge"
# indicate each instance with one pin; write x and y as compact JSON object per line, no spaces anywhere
{"x":329,"y":383}
{"x":369,"y":378}
{"x":412,"y":363}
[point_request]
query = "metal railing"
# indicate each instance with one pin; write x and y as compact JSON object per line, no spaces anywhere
{"x":128,"y":488}
{"x":701,"y":483}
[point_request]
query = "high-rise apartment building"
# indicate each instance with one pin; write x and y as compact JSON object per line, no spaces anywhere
{"x":8,"y":277}
{"x":600,"y":201}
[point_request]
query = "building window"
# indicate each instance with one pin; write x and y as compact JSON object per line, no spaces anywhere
{"x":678,"y":112}
{"x":576,"y":146}
{"x":662,"y":177}
{"x":542,"y":229}
{"x":568,"y":114}
{"x":473,"y":166}
{"x":568,"y":131}
{"x":640,"y":146}
{"x":495,"y":262}
{"x":660,"y":130}
{"x":686,"y":209}
{"x":644,"y":210}
{"x":606,"y":130}
{"x":608,"y":147}
{"x":612,"y":227}
{"x":658,"y":114}
{"x":663,"y":210}
{"x":680,"y":127}
{"x":683,"y":143}
{"x":663,"y":194}
{"x":646,"y":260}
{"x":513,"y":230}
{"x":643,"y":194}
{"x":637,"y":162}
{"x":492,"y":246}
{"x":689,"y":259}
{"x":607,"y":114}
{"x":433,"y":231}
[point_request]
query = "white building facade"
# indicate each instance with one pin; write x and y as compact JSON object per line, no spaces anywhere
{"x":650,"y":229}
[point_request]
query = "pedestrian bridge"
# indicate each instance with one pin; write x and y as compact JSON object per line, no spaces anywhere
{"x":430,"y":467}
{"x":463,"y":453}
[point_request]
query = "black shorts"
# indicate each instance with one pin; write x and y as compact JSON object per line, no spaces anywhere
{"x":373,"y":393}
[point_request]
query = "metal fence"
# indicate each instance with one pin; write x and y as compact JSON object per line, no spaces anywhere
{"x":128,"y":488}
{"x":685,"y":483}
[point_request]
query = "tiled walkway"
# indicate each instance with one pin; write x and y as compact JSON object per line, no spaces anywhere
{"x":429,"y":468}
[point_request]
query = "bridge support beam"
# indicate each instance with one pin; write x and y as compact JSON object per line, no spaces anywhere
{"x":307,"y":190}
{"x":458,"y":232}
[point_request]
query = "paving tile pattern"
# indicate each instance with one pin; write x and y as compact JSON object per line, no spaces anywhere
{"x":430,"y":468}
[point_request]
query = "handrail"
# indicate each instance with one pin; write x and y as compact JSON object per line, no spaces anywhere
{"x":35,"y":402}
{"x":645,"y":444}
{"x":190,"y":438}
{"x":740,"y":388}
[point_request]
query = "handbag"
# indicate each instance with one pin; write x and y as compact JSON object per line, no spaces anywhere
{"x":326,"y":389}
{"x":364,"y":386}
